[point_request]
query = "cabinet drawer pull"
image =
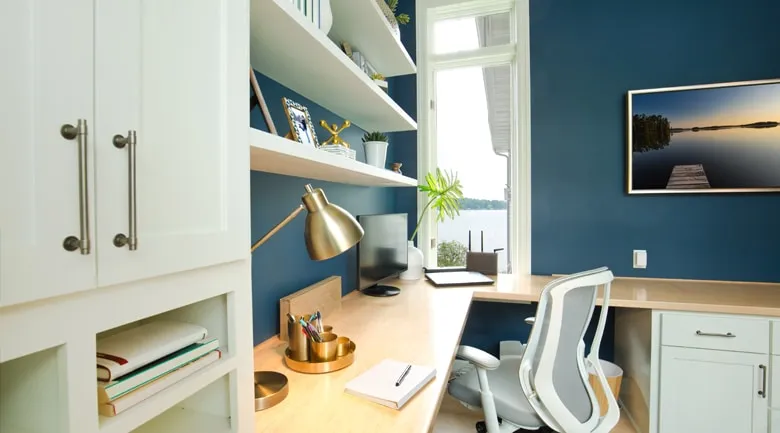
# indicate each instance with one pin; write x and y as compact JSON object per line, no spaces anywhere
{"x":715,"y":334}
{"x":79,"y":133}
{"x":762,"y":391}
{"x":131,"y":239}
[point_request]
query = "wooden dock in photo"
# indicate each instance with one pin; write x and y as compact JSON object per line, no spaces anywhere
{"x":688,"y":177}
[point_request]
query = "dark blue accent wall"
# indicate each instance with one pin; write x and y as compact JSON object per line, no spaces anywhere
{"x":282,"y":265}
{"x":585,"y":56}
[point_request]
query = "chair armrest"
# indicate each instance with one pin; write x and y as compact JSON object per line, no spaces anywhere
{"x":530,"y":320}
{"x":478,"y":357}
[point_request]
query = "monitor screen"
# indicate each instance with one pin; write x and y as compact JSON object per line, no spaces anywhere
{"x":382,"y":253}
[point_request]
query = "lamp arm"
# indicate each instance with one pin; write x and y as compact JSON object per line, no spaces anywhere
{"x":278,"y":227}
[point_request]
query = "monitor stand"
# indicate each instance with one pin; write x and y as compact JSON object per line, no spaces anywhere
{"x":381,"y":290}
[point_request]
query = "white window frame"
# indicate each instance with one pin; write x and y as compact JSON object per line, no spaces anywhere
{"x":520,"y":162}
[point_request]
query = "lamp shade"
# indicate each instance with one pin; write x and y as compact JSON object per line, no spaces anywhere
{"x":330,"y":230}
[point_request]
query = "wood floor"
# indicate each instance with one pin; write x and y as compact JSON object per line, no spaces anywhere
{"x":454,"y":418}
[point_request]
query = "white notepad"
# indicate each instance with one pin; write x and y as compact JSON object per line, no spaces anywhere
{"x":378,"y":383}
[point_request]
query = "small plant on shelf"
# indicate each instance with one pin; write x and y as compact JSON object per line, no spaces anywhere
{"x":374,"y":136}
{"x":377,"y":76}
{"x":401,"y":18}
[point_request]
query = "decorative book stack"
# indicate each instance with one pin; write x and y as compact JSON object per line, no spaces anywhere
{"x":340,"y":150}
{"x":137,"y":363}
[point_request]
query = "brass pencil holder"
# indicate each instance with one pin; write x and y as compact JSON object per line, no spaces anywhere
{"x":343,"y":346}
{"x":299,"y":342}
{"x":325,"y":350}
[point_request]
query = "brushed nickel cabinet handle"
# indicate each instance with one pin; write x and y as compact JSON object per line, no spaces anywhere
{"x":715,"y":334}
{"x":762,"y":391}
{"x":131,"y":239}
{"x":79,"y":133}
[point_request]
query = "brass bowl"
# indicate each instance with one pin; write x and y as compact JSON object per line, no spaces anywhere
{"x":321,"y":367}
{"x":270,"y":389}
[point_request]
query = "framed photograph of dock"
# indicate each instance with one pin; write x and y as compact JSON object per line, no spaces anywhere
{"x":715,"y":138}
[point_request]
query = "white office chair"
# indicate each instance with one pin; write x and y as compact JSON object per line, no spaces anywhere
{"x":545,"y":384}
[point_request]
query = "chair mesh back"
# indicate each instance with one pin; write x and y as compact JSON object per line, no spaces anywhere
{"x":567,"y":378}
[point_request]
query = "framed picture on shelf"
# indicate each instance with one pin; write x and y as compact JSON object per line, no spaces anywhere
{"x":301,"y":126}
{"x":261,"y":102}
{"x":714,"y":138}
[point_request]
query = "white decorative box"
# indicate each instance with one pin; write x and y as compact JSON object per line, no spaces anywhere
{"x":339,"y":150}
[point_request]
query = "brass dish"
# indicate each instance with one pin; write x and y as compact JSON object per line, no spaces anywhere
{"x":321,"y":367}
{"x":270,"y":389}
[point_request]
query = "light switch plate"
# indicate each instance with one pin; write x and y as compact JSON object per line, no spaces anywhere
{"x":640,"y":259}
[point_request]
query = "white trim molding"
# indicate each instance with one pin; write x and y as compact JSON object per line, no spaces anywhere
{"x":516,"y":54}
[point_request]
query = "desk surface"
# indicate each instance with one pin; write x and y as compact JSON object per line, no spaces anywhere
{"x":760,"y":299}
{"x":423,"y":325}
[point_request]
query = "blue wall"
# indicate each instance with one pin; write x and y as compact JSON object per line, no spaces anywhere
{"x":584,"y":57}
{"x":282,"y":265}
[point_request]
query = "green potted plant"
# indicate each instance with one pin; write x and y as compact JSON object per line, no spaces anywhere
{"x":379,"y":80}
{"x":375,"y":144}
{"x":445,"y":193}
{"x":389,"y":8}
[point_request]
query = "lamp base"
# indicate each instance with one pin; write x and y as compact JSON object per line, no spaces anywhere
{"x":381,"y":290}
{"x":270,"y":389}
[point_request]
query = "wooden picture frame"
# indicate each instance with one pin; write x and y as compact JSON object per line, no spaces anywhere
{"x":269,"y":122}
{"x":301,"y":126}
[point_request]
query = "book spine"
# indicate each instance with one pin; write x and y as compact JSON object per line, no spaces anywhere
{"x":117,"y":389}
{"x":126,"y":402}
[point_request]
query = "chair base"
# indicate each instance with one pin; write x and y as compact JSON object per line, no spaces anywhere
{"x":508,"y":427}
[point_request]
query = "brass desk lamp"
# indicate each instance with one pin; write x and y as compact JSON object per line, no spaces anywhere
{"x":330,"y":231}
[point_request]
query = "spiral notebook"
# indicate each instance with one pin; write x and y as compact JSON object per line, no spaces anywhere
{"x":377,"y":384}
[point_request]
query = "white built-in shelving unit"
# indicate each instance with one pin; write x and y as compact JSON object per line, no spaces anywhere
{"x":289,"y":49}
{"x":274,"y":154}
{"x":363,"y":25}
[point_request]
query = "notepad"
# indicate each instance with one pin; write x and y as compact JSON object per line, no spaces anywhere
{"x":378,"y":383}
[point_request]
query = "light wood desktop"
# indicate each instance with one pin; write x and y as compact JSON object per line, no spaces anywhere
{"x":423,"y":325}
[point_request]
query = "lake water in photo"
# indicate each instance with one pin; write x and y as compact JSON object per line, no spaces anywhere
{"x":493,"y":222}
{"x":732,"y":158}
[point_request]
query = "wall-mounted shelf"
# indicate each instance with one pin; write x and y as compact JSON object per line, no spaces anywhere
{"x":364,"y":26}
{"x":294,"y":52}
{"x":274,"y":154}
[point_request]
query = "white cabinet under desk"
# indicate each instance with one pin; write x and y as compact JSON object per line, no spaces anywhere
{"x":688,"y":372}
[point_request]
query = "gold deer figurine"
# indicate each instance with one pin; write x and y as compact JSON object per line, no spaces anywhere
{"x":335,"y":131}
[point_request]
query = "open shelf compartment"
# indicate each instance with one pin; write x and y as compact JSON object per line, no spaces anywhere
{"x":294,"y":52}
{"x":211,"y":313}
{"x":274,"y":154}
{"x":32,"y":394}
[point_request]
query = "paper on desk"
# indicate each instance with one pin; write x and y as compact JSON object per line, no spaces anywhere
{"x":378,"y":383}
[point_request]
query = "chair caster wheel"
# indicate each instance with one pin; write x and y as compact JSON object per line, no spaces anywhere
{"x":481,"y":427}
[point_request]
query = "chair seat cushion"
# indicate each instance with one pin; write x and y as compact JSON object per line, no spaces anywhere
{"x":504,"y":383}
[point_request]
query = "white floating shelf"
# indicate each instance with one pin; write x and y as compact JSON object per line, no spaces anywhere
{"x":167,"y":398}
{"x":364,"y":26}
{"x":294,"y":52}
{"x":274,"y":154}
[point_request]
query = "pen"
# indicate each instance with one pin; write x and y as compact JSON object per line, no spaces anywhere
{"x":320,"y":326}
{"x":482,"y":241}
{"x":403,"y":375}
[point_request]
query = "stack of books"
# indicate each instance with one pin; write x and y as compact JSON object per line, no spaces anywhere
{"x":135,"y":364}
{"x":338,"y":149}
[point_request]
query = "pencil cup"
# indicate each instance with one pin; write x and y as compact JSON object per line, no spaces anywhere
{"x":326,"y":349}
{"x":299,"y":342}
{"x":342,"y":346}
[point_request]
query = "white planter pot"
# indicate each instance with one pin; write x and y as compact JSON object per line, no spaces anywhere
{"x":376,"y":153}
{"x":326,"y":16}
{"x":415,"y":269}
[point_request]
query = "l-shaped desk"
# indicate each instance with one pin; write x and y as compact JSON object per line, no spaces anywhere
{"x":423,"y":325}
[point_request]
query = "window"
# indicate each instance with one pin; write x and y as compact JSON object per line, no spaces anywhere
{"x":471,"y":70}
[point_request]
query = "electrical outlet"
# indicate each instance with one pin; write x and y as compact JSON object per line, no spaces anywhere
{"x":640,"y":259}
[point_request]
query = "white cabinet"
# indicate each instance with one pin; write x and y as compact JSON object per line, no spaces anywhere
{"x":713,"y":391}
{"x":171,"y":72}
{"x":46,"y":81}
{"x":165,"y":70}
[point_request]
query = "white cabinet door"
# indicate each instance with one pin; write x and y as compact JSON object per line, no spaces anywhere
{"x":175,"y":72}
{"x":46,"y":48}
{"x":712,"y":391}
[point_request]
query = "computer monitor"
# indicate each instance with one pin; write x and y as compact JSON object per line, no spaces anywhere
{"x":382,"y":253}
